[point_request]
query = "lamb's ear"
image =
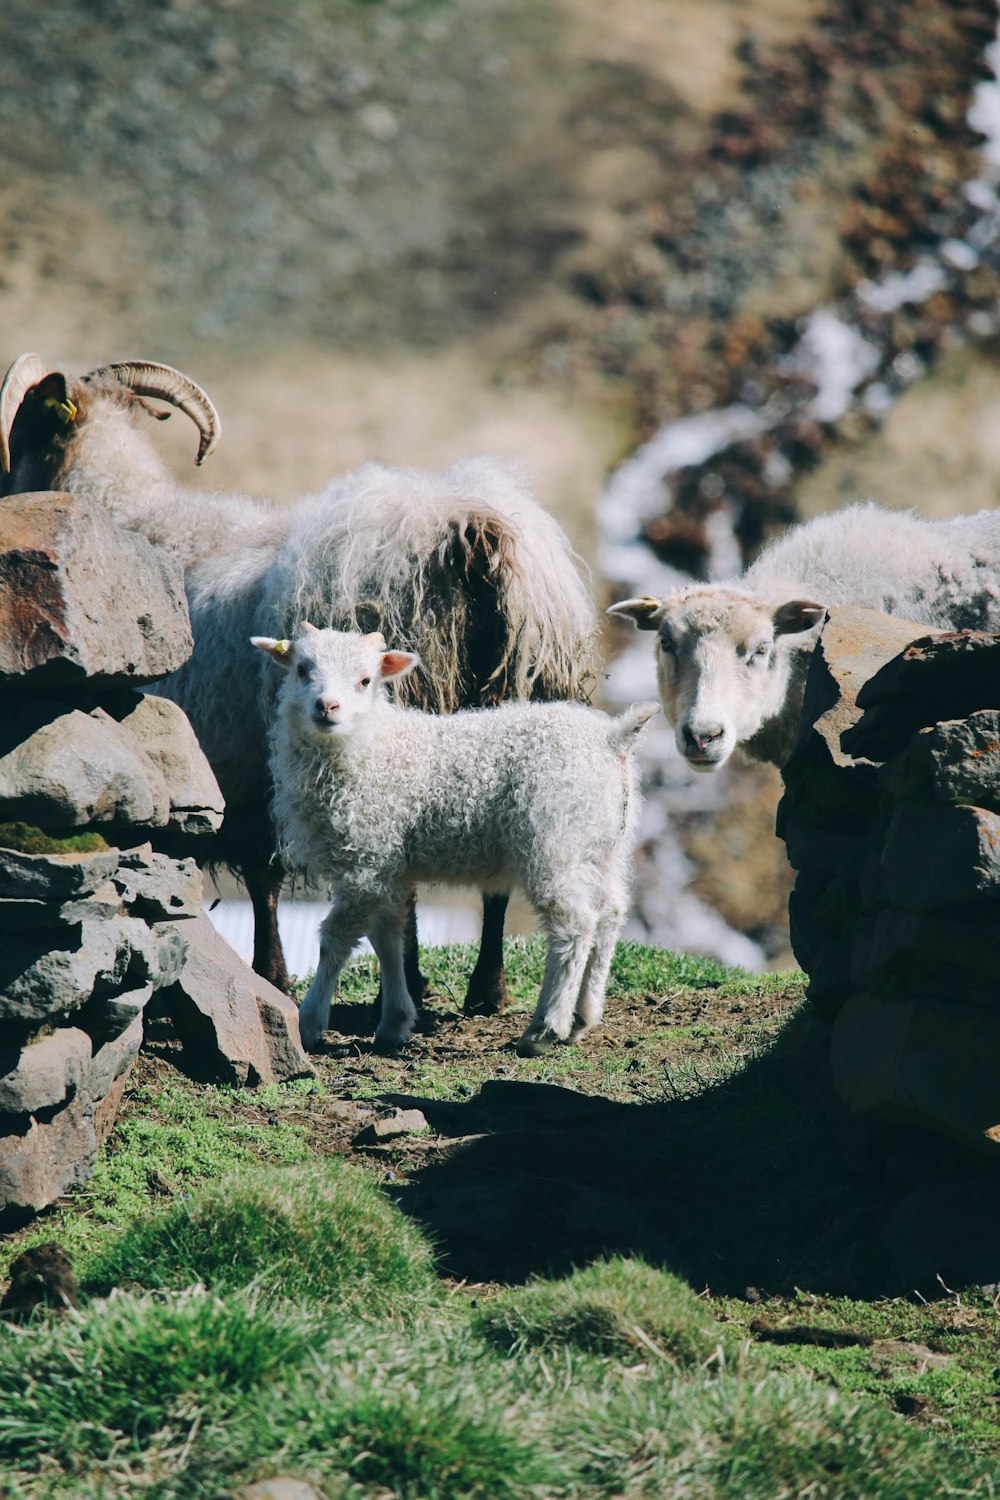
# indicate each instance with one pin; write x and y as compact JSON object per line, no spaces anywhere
{"x":279,"y":651}
{"x":797,"y":615}
{"x":375,"y":638}
{"x":645,"y":613}
{"x":308,"y":629}
{"x":398,"y":663}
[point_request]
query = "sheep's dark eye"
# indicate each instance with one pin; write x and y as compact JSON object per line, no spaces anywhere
{"x":666,"y":643}
{"x":761,"y":652}
{"x":365,"y":681}
{"x":302,"y":670}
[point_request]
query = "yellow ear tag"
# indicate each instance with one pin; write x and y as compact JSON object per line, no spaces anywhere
{"x":282,"y":647}
{"x":64,"y":410}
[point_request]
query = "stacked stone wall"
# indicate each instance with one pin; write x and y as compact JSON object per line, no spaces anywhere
{"x":106,"y":805}
{"x":891,"y":816}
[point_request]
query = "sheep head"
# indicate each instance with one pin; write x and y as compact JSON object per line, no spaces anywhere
{"x":43,"y":410}
{"x":728,"y":666}
{"x":333,"y":676}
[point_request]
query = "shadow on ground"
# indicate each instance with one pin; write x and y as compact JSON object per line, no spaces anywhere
{"x":737,"y":1187}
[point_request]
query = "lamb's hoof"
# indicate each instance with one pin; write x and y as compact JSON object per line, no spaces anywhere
{"x":487,"y":995}
{"x":536,"y":1043}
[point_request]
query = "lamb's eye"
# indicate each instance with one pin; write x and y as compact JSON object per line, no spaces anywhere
{"x":302,"y":670}
{"x":761,"y":652}
{"x":667,"y":644}
{"x":365,"y":681}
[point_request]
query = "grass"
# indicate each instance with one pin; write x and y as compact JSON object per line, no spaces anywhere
{"x":274,"y":1313}
{"x":26,"y":839}
{"x":320,"y":1232}
{"x":620,"y":1308}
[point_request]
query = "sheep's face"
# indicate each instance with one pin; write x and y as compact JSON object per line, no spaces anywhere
{"x":333,"y":677}
{"x":724,"y":662}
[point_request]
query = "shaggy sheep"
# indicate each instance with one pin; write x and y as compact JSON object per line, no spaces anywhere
{"x":371,"y":797}
{"x":465,"y":565}
{"x":731,"y":659}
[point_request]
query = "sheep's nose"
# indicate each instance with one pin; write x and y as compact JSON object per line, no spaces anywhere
{"x":326,"y":706}
{"x":707,"y":735}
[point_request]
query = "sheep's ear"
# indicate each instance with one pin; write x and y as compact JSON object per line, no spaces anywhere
{"x":644,"y":613}
{"x":279,"y":651}
{"x":308,"y":629}
{"x":375,"y":638}
{"x":398,"y":663}
{"x":797,"y":615}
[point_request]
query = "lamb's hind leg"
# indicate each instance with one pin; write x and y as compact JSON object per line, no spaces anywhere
{"x":571,"y":938}
{"x":399,"y":1013}
{"x":590,"y":1004}
{"x":487,"y":992}
{"x":340,"y":932}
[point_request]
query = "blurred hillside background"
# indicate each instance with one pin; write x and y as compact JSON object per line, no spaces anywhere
{"x":552,"y":229}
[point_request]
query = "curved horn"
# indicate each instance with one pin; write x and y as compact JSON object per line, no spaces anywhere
{"x":165,"y":383}
{"x":26,"y":371}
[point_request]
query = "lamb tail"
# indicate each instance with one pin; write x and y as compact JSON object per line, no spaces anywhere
{"x":626,"y":726}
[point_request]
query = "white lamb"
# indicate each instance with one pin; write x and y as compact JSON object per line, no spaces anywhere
{"x":370,"y":797}
{"x":464,"y":564}
{"x":731,"y":659}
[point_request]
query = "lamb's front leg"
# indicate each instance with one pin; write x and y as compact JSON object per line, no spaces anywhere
{"x":399,"y":1013}
{"x":340,"y":932}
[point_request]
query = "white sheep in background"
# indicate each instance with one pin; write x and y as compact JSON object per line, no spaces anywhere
{"x":465,"y":565}
{"x":371,"y":797}
{"x":731,"y":659}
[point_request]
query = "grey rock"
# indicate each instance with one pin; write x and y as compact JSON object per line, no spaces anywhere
{"x":65,"y":768}
{"x":54,"y":877}
{"x":403,"y":1122}
{"x":30,"y":916}
{"x":64,"y":615}
{"x":280,"y":1488}
{"x":957,"y":760}
{"x":946,"y":676}
{"x":935,"y":856}
{"x":219,"y":1007}
{"x":157,"y":887}
{"x":924,"y":1063}
{"x":170,"y":946}
{"x":901,"y":953}
{"x":45,"y":1073}
{"x":107,"y":1017}
{"x":48,"y":975}
{"x":41,"y":1162}
{"x":165,"y":734}
{"x":116,"y":1056}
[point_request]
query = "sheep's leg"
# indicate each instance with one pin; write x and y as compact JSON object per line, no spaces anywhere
{"x":487,"y":992}
{"x":416,"y":984}
{"x":399,"y":1013}
{"x":590,"y":1005}
{"x":340,"y":931}
{"x":264,"y":887}
{"x":571,"y":938}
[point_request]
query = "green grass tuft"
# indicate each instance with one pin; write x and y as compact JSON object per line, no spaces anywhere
{"x":323,"y":1231}
{"x":27,"y":839}
{"x":622,"y":1308}
{"x":132,"y":1366}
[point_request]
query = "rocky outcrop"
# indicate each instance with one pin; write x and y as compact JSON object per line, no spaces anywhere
{"x":891,"y":815}
{"x":100,"y":788}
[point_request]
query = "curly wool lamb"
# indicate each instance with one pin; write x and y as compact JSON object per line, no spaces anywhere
{"x":731,"y":659}
{"x":370,"y":797}
{"x":463,"y":564}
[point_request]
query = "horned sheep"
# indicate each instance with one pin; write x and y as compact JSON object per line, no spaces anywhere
{"x":371,"y":797}
{"x":731,"y":659}
{"x":464,"y":564}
